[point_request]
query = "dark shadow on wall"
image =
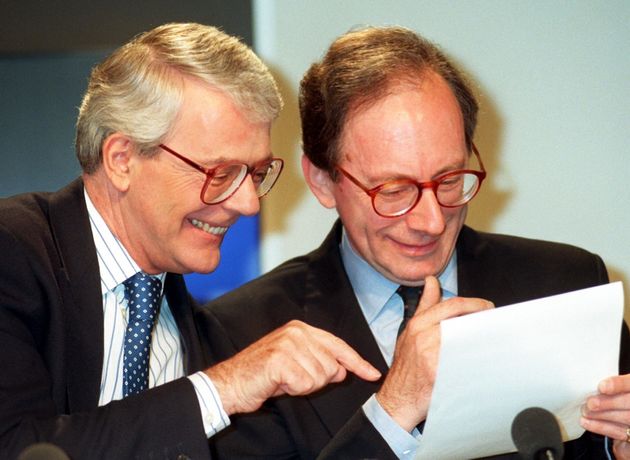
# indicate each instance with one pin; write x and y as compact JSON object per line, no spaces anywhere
{"x":286,"y":143}
{"x":492,"y":198}
{"x":39,"y":97}
{"x":36,"y":26}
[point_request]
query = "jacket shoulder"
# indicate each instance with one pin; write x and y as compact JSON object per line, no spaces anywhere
{"x":264,"y":295}
{"x":510,"y":248}
{"x":523,"y":268}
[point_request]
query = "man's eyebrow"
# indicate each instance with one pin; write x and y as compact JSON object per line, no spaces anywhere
{"x":452,"y":167}
{"x":212,"y":163}
{"x":377,"y":180}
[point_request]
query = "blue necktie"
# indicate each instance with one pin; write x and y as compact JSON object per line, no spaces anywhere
{"x":143,"y":295}
{"x":410,"y":296}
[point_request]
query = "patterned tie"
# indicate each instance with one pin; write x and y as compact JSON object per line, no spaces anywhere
{"x":410,"y":296}
{"x":143,"y":295}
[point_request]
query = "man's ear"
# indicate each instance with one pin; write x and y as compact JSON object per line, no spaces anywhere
{"x":320,"y":183}
{"x":117,"y":152}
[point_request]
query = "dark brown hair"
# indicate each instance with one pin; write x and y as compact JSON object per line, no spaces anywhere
{"x":357,"y":70}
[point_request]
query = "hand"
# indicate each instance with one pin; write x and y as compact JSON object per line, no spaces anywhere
{"x":296,"y":359}
{"x":407,"y":389}
{"x":608,"y":413}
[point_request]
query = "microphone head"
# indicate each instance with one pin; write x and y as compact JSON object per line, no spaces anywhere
{"x":535,"y":430}
{"x":43,"y":451}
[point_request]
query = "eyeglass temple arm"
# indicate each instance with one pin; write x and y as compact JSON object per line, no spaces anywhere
{"x":186,"y":160}
{"x":476,"y":152}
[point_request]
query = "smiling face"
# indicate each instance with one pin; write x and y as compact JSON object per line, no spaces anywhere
{"x":417,"y":132}
{"x":161,"y":219}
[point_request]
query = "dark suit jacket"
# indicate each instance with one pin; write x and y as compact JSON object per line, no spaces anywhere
{"x":314,"y":288}
{"x":51,"y":344}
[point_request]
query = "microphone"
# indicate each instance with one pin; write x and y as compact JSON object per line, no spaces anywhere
{"x":43,"y":451}
{"x":536,"y":435}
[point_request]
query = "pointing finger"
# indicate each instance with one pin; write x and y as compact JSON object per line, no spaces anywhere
{"x":350,"y":359}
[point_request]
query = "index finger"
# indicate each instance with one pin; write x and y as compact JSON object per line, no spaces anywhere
{"x":348,"y":357}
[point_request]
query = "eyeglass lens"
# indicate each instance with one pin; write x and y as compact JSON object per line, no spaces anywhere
{"x":398,"y":197}
{"x":226,"y":179}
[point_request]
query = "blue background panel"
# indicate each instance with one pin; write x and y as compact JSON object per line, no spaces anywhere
{"x":239,"y":262}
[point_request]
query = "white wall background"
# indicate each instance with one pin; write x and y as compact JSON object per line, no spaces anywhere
{"x":553,"y":80}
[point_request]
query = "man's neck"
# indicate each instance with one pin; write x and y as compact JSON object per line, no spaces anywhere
{"x":108,"y":202}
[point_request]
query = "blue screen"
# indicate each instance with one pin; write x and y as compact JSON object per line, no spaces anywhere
{"x":239,"y":262}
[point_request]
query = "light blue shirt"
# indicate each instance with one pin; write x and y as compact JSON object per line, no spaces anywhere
{"x":383,"y":311}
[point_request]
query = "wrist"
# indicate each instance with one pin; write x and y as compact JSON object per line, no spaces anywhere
{"x":224,"y":387}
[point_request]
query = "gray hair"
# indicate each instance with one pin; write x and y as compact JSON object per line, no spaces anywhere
{"x":138,"y":89}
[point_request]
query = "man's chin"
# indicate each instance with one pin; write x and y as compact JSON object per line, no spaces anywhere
{"x":419,"y":274}
{"x":202,"y":267}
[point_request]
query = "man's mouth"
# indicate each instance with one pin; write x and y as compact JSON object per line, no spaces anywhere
{"x":206,"y":227}
{"x":417,"y":249}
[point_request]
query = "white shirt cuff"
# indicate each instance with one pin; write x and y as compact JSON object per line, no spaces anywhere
{"x":212,"y":414}
{"x":400,"y":441}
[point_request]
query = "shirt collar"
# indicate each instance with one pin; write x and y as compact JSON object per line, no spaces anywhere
{"x":114,"y":262}
{"x":373,"y":290}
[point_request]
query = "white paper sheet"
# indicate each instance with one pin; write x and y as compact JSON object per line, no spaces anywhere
{"x":549,"y":353}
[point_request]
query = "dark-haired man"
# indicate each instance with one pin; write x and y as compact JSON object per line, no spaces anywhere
{"x":388,"y":125}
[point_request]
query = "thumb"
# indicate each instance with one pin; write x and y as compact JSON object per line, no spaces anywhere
{"x":621,"y":449}
{"x":431,"y":294}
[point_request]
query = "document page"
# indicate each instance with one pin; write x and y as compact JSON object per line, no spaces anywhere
{"x":550,"y":353}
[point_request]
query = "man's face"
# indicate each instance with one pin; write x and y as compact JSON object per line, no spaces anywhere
{"x":414,"y":132}
{"x":166,"y":225}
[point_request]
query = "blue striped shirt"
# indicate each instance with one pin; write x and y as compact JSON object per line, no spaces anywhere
{"x":165,"y":359}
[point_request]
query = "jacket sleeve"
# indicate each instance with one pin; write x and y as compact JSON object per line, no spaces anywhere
{"x":285,"y":427}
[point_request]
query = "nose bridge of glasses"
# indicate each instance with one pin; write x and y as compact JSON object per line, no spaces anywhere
{"x":427,"y":191}
{"x":239,"y":181}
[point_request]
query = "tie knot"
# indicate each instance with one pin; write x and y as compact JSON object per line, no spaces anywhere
{"x":410,"y":295}
{"x":143,"y":295}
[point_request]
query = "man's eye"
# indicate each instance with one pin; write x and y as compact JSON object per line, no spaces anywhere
{"x":259,"y":176}
{"x":394,"y":192}
{"x":220,"y":179}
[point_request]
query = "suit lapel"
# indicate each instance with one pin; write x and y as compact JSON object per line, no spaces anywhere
{"x":330,"y":304}
{"x":180,"y":304}
{"x":79,"y":284}
{"x":478,"y":272}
